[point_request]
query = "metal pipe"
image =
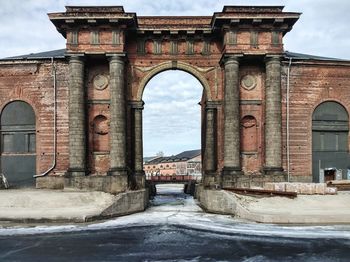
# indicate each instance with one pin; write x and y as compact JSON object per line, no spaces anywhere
{"x":53,"y":72}
{"x":288,"y":148}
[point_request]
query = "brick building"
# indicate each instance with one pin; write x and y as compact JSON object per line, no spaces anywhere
{"x":185,"y":163}
{"x":74,"y":116}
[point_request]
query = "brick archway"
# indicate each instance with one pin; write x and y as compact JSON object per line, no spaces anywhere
{"x":235,"y":54}
{"x":171,"y":65}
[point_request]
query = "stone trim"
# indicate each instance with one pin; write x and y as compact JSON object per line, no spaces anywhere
{"x":170,"y":65}
{"x":136,"y":104}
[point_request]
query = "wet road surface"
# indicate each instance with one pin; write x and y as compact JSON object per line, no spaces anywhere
{"x":174,"y":228}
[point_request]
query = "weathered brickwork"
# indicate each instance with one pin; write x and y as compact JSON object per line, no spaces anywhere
{"x":237,"y":55}
{"x":311,"y":83}
{"x":32,"y":82}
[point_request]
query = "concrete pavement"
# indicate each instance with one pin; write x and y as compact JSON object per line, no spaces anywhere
{"x":38,"y":205}
{"x":304,"y":209}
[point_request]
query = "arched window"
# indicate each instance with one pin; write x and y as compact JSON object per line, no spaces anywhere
{"x":248,"y":134}
{"x":330,"y":130}
{"x":18,"y":143}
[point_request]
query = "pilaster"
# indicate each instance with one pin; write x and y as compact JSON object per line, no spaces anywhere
{"x":210,"y":161}
{"x":139,"y":174}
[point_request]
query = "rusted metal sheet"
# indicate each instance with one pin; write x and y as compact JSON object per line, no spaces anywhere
{"x":341,"y":185}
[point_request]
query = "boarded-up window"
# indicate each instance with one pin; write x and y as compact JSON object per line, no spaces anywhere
{"x":330,"y":132}
{"x":18,"y":144}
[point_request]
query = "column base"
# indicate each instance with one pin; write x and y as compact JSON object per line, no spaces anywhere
{"x":271,"y":170}
{"x":75,"y":172}
{"x":117,"y":171}
{"x":231,"y":170}
{"x":229,"y":176}
{"x":140,"y":179}
{"x":109,"y":184}
{"x":210,"y":179}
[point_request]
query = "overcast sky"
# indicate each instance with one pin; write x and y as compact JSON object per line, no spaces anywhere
{"x":172,"y":116}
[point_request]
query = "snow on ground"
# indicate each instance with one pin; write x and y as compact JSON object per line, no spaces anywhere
{"x":172,"y":207}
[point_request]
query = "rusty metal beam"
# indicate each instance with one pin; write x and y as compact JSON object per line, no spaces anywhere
{"x":249,"y":191}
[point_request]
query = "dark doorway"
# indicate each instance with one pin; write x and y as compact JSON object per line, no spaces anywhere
{"x":18,"y":144}
{"x":330,"y":147}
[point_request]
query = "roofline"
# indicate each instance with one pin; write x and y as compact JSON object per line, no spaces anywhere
{"x":307,"y":57}
{"x":32,"y":56}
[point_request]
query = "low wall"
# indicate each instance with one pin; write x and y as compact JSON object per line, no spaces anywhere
{"x":108,"y":184}
{"x":126,"y":203}
{"x":248,"y":181}
{"x":216,"y":201}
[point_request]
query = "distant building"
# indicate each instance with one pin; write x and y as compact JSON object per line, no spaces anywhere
{"x":185,"y":163}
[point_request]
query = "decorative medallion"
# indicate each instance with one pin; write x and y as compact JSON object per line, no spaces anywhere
{"x":248,"y":121}
{"x":100,"y":82}
{"x":248,"y":82}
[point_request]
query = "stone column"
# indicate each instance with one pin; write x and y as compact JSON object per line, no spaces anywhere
{"x":232,"y":165}
{"x":139,"y":174}
{"x":210,"y":145}
{"x":118,"y":117}
{"x":273,"y":117}
{"x":77,"y":132}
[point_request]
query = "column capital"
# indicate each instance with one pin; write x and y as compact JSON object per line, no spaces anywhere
{"x":116,"y":57}
{"x":76,"y":58}
{"x":273,"y":59}
{"x":136,"y":104}
{"x":227,"y":59}
{"x":212,"y":104}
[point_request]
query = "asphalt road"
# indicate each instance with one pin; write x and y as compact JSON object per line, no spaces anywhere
{"x":167,"y":243}
{"x":174,"y":230}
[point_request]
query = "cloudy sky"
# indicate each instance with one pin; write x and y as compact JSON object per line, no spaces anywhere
{"x":171,"y":115}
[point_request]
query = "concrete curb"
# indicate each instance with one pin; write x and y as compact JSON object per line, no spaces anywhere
{"x":227,"y":203}
{"x":122,"y":204}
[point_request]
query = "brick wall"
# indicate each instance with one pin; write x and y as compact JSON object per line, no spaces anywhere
{"x":311,"y":83}
{"x":32,"y":82}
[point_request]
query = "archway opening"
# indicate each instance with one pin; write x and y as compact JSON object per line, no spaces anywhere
{"x":18,"y":144}
{"x":172,"y":127}
{"x":330,"y":145}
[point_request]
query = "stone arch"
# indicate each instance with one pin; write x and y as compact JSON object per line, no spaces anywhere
{"x":171,"y":65}
{"x":330,"y":141}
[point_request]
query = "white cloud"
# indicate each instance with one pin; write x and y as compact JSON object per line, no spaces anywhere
{"x":172,"y":114}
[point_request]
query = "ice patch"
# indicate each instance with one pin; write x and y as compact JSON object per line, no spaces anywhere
{"x":188,"y":214}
